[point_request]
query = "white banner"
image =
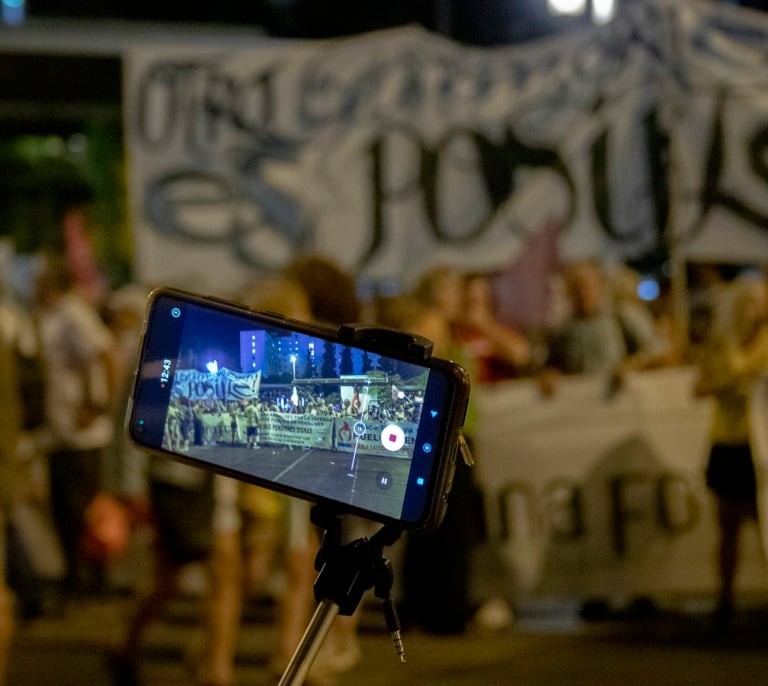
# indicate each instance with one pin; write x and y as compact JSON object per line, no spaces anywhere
{"x":343,"y":434}
{"x":295,"y":430}
{"x":393,"y":151}
{"x":355,"y":436}
{"x":389,"y":152}
{"x":590,"y":495}
{"x":223,"y":385}
{"x":718,"y":91}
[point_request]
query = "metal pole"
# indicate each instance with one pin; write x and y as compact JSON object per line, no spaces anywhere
{"x":311,"y":642}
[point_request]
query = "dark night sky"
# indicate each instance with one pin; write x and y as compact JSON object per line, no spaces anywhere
{"x":482,"y":22}
{"x":476,"y":22}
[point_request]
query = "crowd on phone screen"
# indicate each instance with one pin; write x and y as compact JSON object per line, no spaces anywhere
{"x":238,"y":422}
{"x":76,"y":350}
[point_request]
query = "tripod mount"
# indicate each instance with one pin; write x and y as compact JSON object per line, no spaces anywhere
{"x":346,"y":572}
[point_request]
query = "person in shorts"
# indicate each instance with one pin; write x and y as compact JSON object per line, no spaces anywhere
{"x":735,"y":355}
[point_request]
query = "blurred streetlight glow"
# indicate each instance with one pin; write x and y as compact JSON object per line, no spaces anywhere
{"x":602,"y":11}
{"x":567,"y":7}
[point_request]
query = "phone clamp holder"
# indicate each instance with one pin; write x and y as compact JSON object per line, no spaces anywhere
{"x":346,"y":572}
{"x":411,"y":345}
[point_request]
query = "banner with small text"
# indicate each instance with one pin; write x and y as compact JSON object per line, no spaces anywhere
{"x":590,"y":494}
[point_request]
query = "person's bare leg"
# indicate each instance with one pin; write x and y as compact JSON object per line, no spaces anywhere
{"x":730,"y":520}
{"x":216,"y":666}
{"x":294,"y":606}
{"x":152,"y":603}
{"x":123,"y":659}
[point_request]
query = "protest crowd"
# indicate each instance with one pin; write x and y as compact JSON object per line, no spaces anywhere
{"x":76,"y":467}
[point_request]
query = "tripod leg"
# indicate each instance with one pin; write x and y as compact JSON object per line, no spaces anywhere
{"x":318,"y":628}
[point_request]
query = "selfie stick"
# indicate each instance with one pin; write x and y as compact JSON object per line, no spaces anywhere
{"x":346,"y":572}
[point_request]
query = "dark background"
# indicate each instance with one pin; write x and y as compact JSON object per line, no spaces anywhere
{"x":48,"y":86}
{"x":64,"y":73}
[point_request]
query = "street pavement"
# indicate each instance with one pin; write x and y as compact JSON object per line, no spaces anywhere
{"x":546,"y":645}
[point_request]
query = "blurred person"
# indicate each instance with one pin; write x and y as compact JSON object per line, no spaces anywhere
{"x":597,"y":337}
{"x":249,"y":524}
{"x":332,"y":292}
{"x":125,"y":471}
{"x":78,"y":349}
{"x":31,"y":582}
{"x":315,"y":289}
{"x":172,"y":502}
{"x":126,"y":525}
{"x":735,"y":355}
{"x":436,"y":573}
{"x":494,"y":352}
{"x":497,"y":351}
{"x":180,"y":504}
{"x":333,"y":300}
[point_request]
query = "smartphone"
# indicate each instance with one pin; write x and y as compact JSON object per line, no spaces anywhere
{"x":360,"y":419}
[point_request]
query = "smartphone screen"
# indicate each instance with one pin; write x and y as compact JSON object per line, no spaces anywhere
{"x":291,"y":407}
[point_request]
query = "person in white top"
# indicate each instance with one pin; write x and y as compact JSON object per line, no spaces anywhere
{"x":78,"y":350}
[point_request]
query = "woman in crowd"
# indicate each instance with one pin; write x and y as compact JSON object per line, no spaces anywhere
{"x":735,"y":355}
{"x":498,"y":351}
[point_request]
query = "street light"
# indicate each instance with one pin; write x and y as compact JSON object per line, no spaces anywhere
{"x":602,"y":11}
{"x":293,"y":362}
